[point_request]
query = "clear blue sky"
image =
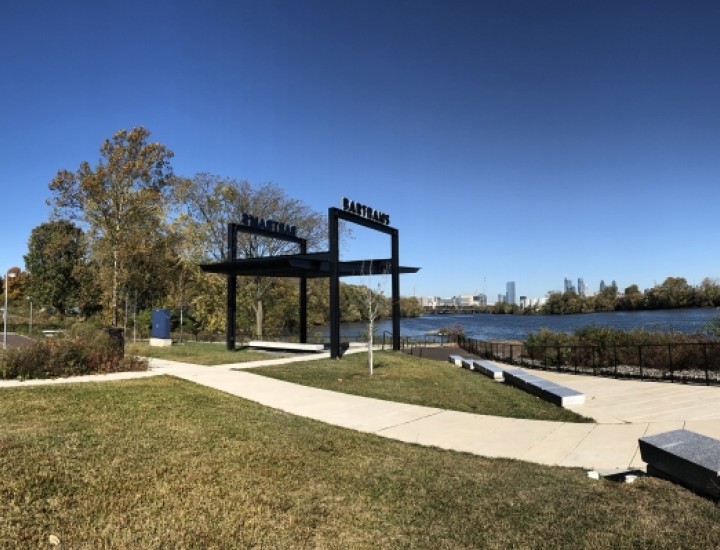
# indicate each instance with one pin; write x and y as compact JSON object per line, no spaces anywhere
{"x":508,"y":140}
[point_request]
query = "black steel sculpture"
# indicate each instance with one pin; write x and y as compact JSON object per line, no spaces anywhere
{"x":312,"y":265}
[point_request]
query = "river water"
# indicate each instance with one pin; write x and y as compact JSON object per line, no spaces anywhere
{"x":515,"y":327}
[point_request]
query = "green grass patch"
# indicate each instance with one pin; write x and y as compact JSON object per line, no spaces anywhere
{"x":199,"y":353}
{"x":408,"y":379}
{"x":163,"y":463}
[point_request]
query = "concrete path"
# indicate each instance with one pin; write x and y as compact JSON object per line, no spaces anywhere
{"x":624,"y":411}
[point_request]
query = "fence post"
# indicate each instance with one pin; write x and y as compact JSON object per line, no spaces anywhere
{"x":640,"y":361}
{"x":557,"y":367}
{"x":672,"y":374}
{"x":615,"y":359}
{"x":707,"y":376}
{"x":575,"y":358}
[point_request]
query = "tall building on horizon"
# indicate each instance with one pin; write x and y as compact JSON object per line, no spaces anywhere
{"x":582,"y":289}
{"x":510,"y":292}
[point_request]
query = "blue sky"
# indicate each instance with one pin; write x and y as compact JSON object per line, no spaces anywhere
{"x":508,"y":140}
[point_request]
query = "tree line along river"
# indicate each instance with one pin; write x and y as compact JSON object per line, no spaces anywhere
{"x":485,"y":326}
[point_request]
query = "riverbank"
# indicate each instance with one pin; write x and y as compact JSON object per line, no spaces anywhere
{"x":518,"y":327}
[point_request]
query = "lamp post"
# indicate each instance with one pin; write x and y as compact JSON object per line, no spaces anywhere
{"x":6,"y":283}
{"x":30,"y":327}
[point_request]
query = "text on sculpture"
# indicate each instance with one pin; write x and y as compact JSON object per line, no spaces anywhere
{"x":365,"y":211}
{"x":268,"y":225}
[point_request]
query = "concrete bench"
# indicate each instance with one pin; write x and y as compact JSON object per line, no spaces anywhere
{"x":489,"y":369}
{"x":51,"y":333}
{"x":286,"y":346}
{"x":549,"y":391}
{"x":466,"y":363}
{"x":455,"y":360}
{"x":685,"y":457}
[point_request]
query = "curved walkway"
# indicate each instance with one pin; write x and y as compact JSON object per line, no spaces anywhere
{"x":624,"y":411}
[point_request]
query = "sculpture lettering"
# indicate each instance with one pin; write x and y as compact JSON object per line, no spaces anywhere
{"x":269,"y":225}
{"x":365,"y":211}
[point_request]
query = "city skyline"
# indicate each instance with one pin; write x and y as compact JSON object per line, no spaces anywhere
{"x":590,"y":290}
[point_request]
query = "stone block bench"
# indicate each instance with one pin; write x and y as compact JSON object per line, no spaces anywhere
{"x":685,"y":457}
{"x":489,"y":369}
{"x":549,"y":391}
{"x":478,"y":365}
{"x":285,"y":346}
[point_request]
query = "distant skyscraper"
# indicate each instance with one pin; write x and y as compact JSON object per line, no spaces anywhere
{"x":501,"y":298}
{"x":602,"y":285}
{"x":568,"y":286}
{"x":582,"y":289}
{"x":510,"y":292}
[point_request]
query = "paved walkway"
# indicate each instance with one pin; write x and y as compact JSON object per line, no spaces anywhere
{"x":623,"y":410}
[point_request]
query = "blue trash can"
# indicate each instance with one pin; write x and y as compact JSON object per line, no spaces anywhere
{"x":161,"y":324}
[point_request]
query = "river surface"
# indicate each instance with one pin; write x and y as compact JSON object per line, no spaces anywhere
{"x":514,"y":327}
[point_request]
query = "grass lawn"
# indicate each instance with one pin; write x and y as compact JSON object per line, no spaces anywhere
{"x":409,"y":379}
{"x":163,"y":463}
{"x":200,"y":353}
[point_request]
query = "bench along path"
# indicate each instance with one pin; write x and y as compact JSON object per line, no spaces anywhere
{"x":544,"y":389}
{"x":686,"y":457}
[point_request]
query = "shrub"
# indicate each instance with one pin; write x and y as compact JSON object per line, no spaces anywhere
{"x":604,"y":347}
{"x":452,"y":332}
{"x":84,"y":349}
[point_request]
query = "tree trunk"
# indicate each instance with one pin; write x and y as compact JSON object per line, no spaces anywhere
{"x":114,"y":305}
{"x":371,"y":330}
{"x":259,"y":317}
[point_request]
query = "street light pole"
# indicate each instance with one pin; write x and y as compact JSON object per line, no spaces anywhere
{"x":31,"y":312}
{"x":8,"y":275}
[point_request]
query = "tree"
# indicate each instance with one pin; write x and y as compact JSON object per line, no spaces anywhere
{"x":210,"y":202}
{"x":124,"y":196}
{"x":708,"y":293}
{"x":632,"y":299}
{"x":410,"y":306}
{"x":606,"y":300}
{"x":56,"y":252}
{"x":672,"y":293}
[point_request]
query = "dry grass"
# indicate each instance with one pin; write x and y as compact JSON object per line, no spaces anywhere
{"x":163,"y":463}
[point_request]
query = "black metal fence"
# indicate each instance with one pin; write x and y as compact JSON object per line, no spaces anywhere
{"x":697,"y":363}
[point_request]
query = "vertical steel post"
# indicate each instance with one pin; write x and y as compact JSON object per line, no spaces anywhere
{"x":303,"y":299}
{"x":333,"y":237}
{"x":396,"y":289}
{"x":231,"y":288}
